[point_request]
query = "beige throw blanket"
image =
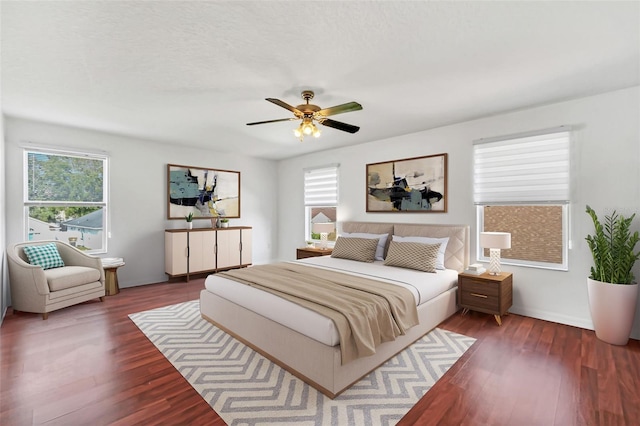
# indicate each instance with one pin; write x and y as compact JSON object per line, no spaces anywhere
{"x":366,"y":312}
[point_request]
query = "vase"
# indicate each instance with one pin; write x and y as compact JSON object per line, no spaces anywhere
{"x":613,"y":308}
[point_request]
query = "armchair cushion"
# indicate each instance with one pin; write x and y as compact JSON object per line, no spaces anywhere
{"x":45,"y":255}
{"x":70,"y":276}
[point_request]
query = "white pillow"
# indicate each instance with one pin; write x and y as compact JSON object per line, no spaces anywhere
{"x":427,"y":240}
{"x":382,"y":241}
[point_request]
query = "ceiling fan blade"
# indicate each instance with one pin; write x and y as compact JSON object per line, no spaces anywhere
{"x":339,"y":109}
{"x":272,"y":121}
{"x":339,"y":125}
{"x":285,"y":105}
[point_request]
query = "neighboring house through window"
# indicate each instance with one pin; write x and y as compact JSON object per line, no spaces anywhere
{"x":522,"y":186}
{"x":320,"y":199}
{"x":65,"y":198}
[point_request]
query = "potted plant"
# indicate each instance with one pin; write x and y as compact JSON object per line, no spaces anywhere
{"x":224,"y":222}
{"x":613,"y":291}
{"x":189,"y":219}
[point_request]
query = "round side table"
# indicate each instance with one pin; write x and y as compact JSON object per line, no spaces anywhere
{"x":111,"y":279}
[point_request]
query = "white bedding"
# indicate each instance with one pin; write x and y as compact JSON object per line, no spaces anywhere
{"x":423,"y":285}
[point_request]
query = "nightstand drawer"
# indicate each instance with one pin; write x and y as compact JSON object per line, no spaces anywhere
{"x":479,"y":300}
{"x":481,"y":287}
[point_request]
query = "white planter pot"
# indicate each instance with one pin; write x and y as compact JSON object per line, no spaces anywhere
{"x":189,"y":225}
{"x":613,"y":308}
{"x":224,"y":224}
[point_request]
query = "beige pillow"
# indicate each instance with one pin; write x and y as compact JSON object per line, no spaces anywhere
{"x":360,"y":249}
{"x":413,"y":256}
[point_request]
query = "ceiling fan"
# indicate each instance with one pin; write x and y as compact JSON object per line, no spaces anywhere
{"x":310,"y":113}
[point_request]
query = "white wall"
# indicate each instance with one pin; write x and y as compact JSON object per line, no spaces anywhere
{"x":606,"y":175}
{"x":4,"y":280}
{"x":138,"y":193}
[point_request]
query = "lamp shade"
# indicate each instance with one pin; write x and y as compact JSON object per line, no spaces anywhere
{"x":498,"y":240}
{"x":323,"y":227}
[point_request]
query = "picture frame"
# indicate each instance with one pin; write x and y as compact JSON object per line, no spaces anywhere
{"x":410,"y":185}
{"x":205,"y":192}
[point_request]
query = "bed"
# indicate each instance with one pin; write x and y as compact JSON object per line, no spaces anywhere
{"x":284,"y":337}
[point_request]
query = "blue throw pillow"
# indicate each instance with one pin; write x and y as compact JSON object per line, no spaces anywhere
{"x":45,"y":255}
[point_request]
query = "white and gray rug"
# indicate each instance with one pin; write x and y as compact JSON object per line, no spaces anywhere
{"x":245,"y":388}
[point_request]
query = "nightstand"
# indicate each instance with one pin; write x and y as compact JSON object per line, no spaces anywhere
{"x":491,"y":294}
{"x":305,"y":252}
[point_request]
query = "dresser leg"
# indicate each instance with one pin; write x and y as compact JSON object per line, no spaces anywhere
{"x":498,"y":319}
{"x":464,"y":311}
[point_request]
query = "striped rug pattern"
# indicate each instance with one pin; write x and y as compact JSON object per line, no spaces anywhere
{"x":245,"y":388}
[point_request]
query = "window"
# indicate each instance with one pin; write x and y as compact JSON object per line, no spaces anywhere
{"x":65,"y":198}
{"x":522,"y":186}
{"x":320,"y":199}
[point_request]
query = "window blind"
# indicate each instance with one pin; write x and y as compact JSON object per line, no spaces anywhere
{"x":321,"y":186}
{"x":525,"y":169}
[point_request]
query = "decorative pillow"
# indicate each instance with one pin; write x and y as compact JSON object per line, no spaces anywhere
{"x":45,"y":255}
{"x":382,"y":241}
{"x":360,"y":249}
{"x":428,"y":240}
{"x":413,"y":256}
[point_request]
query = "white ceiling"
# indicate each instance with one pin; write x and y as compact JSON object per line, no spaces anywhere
{"x":195,"y":73}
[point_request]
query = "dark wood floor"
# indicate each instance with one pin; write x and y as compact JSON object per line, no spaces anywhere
{"x":90,"y":365}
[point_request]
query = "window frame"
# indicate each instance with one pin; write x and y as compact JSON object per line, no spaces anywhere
{"x":308,"y":205}
{"x":61,"y":152}
{"x":561,"y":200}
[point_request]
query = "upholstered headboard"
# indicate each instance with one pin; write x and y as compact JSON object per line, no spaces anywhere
{"x":457,"y":254}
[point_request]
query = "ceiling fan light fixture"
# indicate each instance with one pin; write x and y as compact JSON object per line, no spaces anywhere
{"x":307,"y":130}
{"x":307,"y":126}
{"x":308,"y":113}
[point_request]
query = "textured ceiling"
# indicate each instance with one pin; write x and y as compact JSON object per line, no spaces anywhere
{"x":195,"y":73}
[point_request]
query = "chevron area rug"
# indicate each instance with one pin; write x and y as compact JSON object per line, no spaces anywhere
{"x":245,"y":388}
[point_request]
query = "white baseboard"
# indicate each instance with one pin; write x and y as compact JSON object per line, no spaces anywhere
{"x":585,"y":323}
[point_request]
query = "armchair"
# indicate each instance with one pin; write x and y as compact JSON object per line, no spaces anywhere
{"x":34,"y":289}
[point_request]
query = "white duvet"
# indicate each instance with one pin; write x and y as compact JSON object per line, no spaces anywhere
{"x":423,"y":285}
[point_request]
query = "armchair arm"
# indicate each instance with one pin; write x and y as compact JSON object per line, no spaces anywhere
{"x":25,"y":279}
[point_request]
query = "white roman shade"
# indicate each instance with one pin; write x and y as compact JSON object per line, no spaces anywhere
{"x":321,"y":186}
{"x":529,"y":168}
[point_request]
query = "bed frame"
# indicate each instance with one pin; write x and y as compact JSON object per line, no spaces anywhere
{"x":320,"y":365}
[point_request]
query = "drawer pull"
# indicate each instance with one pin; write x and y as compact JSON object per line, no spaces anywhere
{"x":484,"y":296}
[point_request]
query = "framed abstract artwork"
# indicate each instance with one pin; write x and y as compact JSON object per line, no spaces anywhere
{"x":410,"y":185}
{"x":205,"y":193}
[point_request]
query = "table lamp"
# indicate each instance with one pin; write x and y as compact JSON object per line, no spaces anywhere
{"x":495,"y":241}
{"x":324,"y":229}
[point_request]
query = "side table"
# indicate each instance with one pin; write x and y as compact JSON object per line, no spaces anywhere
{"x":110,"y":267}
{"x":303,"y":253}
{"x":491,"y":294}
